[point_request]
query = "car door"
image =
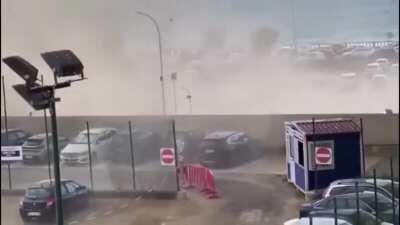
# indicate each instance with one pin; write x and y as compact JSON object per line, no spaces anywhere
{"x":66,"y":197}
{"x":76,"y":194}
{"x":243,"y":147}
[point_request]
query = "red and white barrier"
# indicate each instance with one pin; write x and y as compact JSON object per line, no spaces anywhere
{"x":200,"y":177}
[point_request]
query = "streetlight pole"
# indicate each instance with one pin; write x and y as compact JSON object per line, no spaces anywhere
{"x":294,"y":29}
{"x":173,"y":78}
{"x":161,"y":59}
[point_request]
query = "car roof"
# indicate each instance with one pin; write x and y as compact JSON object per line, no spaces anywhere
{"x":98,"y":130}
{"x":346,"y":181}
{"x":381,"y":59}
{"x":348,"y":74}
{"x":220,"y":134}
{"x":379,"y":75}
{"x":322,"y":220}
{"x":43,"y":136}
{"x":11,"y":130}
{"x":373,"y":64}
{"x":45,"y":183}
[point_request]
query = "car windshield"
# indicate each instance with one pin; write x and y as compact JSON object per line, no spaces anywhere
{"x":83,"y":138}
{"x":388,"y":187}
{"x":37,"y":193}
{"x":34,"y":141}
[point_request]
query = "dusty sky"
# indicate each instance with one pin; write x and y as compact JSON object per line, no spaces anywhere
{"x":119,"y":51}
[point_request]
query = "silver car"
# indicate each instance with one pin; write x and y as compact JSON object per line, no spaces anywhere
{"x":35,"y":147}
{"x":346,"y":186}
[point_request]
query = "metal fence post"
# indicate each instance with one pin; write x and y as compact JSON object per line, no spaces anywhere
{"x":132,"y":155}
{"x":6,"y":128}
{"x":47,"y":143}
{"x":357,"y":205}
{"x":392,"y":184}
{"x":335,"y":210}
{"x":176,"y":156}
{"x":90,"y":155}
{"x":375,"y":198}
{"x":311,"y":219}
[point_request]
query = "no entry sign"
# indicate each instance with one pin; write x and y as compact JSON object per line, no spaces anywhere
{"x":323,"y":156}
{"x":167,"y":156}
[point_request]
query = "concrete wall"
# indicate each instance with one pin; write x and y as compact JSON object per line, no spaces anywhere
{"x":379,"y":129}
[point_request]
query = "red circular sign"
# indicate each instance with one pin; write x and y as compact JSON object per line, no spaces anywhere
{"x":323,"y":155}
{"x":167,"y":156}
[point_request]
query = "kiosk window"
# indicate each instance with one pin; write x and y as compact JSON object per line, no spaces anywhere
{"x":300,"y":153}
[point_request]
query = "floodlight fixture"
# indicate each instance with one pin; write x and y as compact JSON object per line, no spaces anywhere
{"x":23,"y":68}
{"x":38,"y":101}
{"x":63,"y":63}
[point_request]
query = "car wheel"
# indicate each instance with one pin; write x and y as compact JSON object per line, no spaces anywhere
{"x":25,"y":219}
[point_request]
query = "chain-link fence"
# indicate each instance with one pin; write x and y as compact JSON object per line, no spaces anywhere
{"x":102,"y":155}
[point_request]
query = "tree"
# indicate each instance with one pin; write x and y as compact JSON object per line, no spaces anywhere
{"x":264,"y":39}
{"x":215,"y":38}
{"x":389,"y":35}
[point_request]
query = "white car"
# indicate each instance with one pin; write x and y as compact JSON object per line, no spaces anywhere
{"x":395,"y":68}
{"x":373,"y":68}
{"x":383,"y":62}
{"x":348,"y":76}
{"x":316,"y":221}
{"x":77,"y":151}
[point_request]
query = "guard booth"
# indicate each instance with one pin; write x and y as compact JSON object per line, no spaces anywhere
{"x":321,"y":151}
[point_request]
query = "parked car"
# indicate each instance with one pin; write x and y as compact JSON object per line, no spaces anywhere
{"x":387,"y":53}
{"x":372,"y":69}
{"x":316,"y":221}
{"x":146,"y":146}
{"x":228,"y":148}
{"x":349,"y":201}
{"x":188,"y":143}
{"x":358,"y":53}
{"x":39,"y":200}
{"x":351,"y":216}
{"x":77,"y":151}
{"x":384,"y":63}
{"x":35,"y":147}
{"x":394,"y":69}
{"x":349,"y":81}
{"x":16,"y":137}
{"x":345,"y":186}
{"x":311,"y":58}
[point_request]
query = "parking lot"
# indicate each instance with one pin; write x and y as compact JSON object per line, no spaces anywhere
{"x":257,"y":203}
{"x":248,"y":195}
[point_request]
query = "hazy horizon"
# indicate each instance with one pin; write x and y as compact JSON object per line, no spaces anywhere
{"x":120,"y":53}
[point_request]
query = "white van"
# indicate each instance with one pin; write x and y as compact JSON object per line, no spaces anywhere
{"x":77,"y":151}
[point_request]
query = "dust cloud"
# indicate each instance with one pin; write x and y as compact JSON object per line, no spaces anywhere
{"x":208,"y":44}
